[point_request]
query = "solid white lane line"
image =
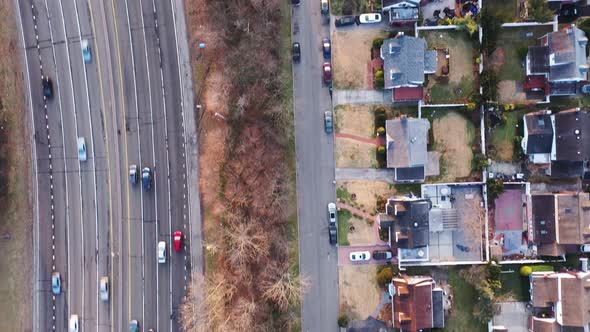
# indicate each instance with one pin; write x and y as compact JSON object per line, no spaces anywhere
{"x":140,"y":167}
{"x":95,"y":201}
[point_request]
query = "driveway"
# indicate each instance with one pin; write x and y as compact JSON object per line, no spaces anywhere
{"x":345,"y":97}
{"x":368,"y":174}
{"x":344,"y":252}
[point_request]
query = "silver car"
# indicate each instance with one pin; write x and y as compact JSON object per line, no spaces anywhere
{"x":332,"y":213}
{"x":161,"y":252}
{"x":104,"y":288}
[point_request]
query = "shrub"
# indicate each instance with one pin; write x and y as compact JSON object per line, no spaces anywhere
{"x":379,"y":81}
{"x":539,"y":11}
{"x":380,"y":131}
{"x":522,"y":51}
{"x":381,"y":150}
{"x":489,"y":81}
{"x":479,"y":162}
{"x":495,"y":188}
{"x":525,"y":271}
{"x":343,"y":320}
{"x":384,"y":277}
{"x":377,"y":42}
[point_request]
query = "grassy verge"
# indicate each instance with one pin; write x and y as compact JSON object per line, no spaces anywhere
{"x":406,"y":188}
{"x":465,"y":298}
{"x":343,"y":226}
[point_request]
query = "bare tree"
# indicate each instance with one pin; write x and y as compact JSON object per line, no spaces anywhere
{"x":282,"y":287}
{"x":246,"y":242}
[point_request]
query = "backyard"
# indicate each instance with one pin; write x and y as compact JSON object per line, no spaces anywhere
{"x":502,"y":137}
{"x":505,"y":10}
{"x":351,"y":57}
{"x":459,"y":84}
{"x":464,"y":299}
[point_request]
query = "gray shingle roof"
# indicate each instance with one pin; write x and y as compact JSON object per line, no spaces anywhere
{"x":567,"y":54}
{"x":540,"y":132}
{"x":404,"y":61}
{"x":430,"y":61}
{"x":406,"y":142}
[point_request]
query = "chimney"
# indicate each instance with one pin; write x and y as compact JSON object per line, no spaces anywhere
{"x":584,"y":262}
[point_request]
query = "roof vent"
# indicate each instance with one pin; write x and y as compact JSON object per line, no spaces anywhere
{"x":577,"y":131}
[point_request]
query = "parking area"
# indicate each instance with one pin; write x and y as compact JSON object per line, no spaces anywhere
{"x":511,"y":315}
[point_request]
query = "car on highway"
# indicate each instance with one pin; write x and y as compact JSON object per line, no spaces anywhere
{"x":74,"y":323}
{"x":327,"y":71}
{"x":82,"y":156}
{"x":161,"y":252}
{"x":370,"y":18}
{"x":56,"y":283}
{"x":47,"y":87}
{"x":86,"y":51}
{"x":134,"y":326}
{"x":104,"y":288}
{"x":146,"y":178}
{"x":345,"y":20}
{"x":296,"y":52}
{"x":332,"y":213}
{"x":333,"y":231}
{"x":325,"y":7}
{"x":295,"y":2}
{"x":382,"y":254}
{"x":178,"y":240}
{"x":133,"y":174}
{"x":357,"y":256}
{"x":328,"y":122}
{"x":327,"y":48}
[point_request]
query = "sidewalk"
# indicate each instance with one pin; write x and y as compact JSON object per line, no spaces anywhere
{"x":344,"y":97}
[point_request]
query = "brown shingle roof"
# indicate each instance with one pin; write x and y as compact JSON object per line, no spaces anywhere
{"x":544,"y":292}
{"x":412,"y":303}
{"x":544,"y":325}
{"x":574,"y":298}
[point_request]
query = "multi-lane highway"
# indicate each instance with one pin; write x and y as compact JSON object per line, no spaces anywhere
{"x":132,"y":103}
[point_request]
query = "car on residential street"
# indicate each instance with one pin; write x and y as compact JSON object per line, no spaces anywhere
{"x":82,"y":156}
{"x":146,"y":178}
{"x":327,"y":48}
{"x":332,"y":213}
{"x":178,"y":240}
{"x":327,"y":71}
{"x":370,"y":18}
{"x":133,"y":174}
{"x":585,"y":248}
{"x":56,"y":283}
{"x":296,"y":52}
{"x":382,"y":254}
{"x":333,"y":231}
{"x":86,"y":51}
{"x":104,"y":288}
{"x":345,"y":20}
{"x":357,"y":256}
{"x":161,"y":252}
{"x":47,"y":87}
{"x":325,"y":7}
{"x":328,"y":122}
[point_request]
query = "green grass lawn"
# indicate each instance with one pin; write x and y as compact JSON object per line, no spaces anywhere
{"x":502,"y":9}
{"x":451,"y":92}
{"x":503,"y":137}
{"x":464,"y":299}
{"x":510,"y":40}
{"x":343,"y":226}
{"x":515,"y":284}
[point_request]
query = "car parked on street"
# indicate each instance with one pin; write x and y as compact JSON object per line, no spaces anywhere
{"x":585,"y":248}
{"x":47,"y":87}
{"x":86,"y":51}
{"x":345,"y":20}
{"x":370,"y":18}
{"x":332,"y":213}
{"x":327,"y":72}
{"x":295,"y":2}
{"x":325,"y":7}
{"x":146,"y":178}
{"x":327,"y":48}
{"x":56,"y":283}
{"x":296,"y":52}
{"x":333,"y":231}
{"x":82,"y":156}
{"x":104,"y":288}
{"x":161,"y":252}
{"x":133,"y":174}
{"x":357,"y":256}
{"x":382,"y":254}
{"x":178,"y":240}
{"x":328,"y":122}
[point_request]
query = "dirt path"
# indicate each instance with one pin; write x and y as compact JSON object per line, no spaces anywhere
{"x":375,"y":141}
{"x":453,"y":135}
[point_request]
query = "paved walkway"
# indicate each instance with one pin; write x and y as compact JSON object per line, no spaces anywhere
{"x":375,"y":141}
{"x":367,"y":174}
{"x":344,"y":97}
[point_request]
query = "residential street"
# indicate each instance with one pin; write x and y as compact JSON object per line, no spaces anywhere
{"x":315,"y":173}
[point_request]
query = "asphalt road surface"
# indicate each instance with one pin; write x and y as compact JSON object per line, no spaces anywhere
{"x":315,"y":171}
{"x":132,"y":103}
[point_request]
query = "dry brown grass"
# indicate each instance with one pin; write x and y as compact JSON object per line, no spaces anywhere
{"x":16,"y":262}
{"x":355,"y":120}
{"x":359,"y":294}
{"x":355,"y":154}
{"x":453,"y":135}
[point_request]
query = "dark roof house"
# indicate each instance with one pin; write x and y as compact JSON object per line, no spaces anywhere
{"x":561,"y":222}
{"x":417,"y":303}
{"x":405,"y":62}
{"x":401,"y":11}
{"x":406,"y":144}
{"x":560,"y":60}
{"x":408,"y":220}
{"x":560,"y":300}
{"x":538,"y":136}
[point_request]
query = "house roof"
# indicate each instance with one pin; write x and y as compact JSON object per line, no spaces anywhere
{"x":544,"y":291}
{"x":413,"y":306}
{"x":543,"y":218}
{"x":411,"y":225}
{"x":408,"y":3}
{"x":572,"y":135}
{"x":567,"y":54}
{"x":408,"y":93}
{"x":538,"y":57}
{"x":430,"y":61}
{"x":409,"y":173}
{"x":544,"y":325}
{"x":406,"y":142}
{"x":404,"y":60}
{"x":539,"y":132}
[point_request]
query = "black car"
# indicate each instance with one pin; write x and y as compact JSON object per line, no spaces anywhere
{"x":568,"y":10}
{"x":296,"y":52}
{"x":333,"y":234}
{"x":327,"y":48}
{"x":295,"y":2}
{"x":382,"y":254}
{"x":345,"y":20}
{"x":47,"y":87}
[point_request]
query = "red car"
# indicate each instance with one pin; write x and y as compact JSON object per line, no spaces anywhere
{"x":327,"y":69}
{"x":178,"y":240}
